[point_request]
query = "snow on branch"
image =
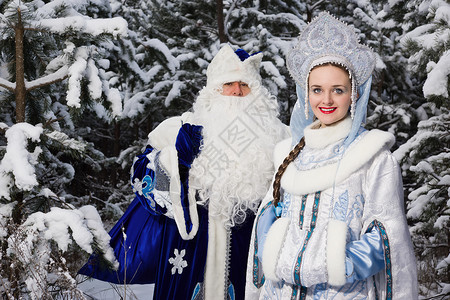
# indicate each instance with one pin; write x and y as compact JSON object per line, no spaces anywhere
{"x":115,"y":98}
{"x":17,"y":160}
{"x":57,"y":76}
{"x":7,"y":84}
{"x":437,"y":79}
{"x":63,"y":226}
{"x":427,"y":130}
{"x":274,"y":73}
{"x":174,"y":92}
{"x":114,"y":26}
{"x":156,"y":44}
{"x":76,"y":71}
{"x":135,"y":105}
{"x":5,"y":215}
{"x":31,"y":242}
{"x":64,"y":139}
{"x":95,"y":84}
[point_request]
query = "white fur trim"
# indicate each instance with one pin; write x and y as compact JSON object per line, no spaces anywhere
{"x":216,"y":259}
{"x":169,"y":161}
{"x":165,"y":134}
{"x":318,"y":179}
{"x":272,"y":247}
{"x":328,"y":135}
{"x":336,"y":242}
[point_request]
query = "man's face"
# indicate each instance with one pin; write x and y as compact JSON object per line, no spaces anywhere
{"x":235,"y":88}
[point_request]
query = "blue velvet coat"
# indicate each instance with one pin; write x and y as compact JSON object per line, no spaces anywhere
{"x":146,"y":240}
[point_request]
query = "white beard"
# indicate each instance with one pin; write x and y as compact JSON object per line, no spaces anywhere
{"x":235,"y":167}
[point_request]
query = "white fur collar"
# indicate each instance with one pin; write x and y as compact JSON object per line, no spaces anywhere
{"x":319,"y":138}
{"x":321,"y":178}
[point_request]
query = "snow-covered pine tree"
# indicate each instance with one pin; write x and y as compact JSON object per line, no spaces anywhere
{"x":425,"y":157}
{"x":169,"y":76}
{"x":392,"y":92}
{"x":53,"y":72}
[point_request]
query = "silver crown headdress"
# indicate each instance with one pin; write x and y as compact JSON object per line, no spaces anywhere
{"x":328,"y":40}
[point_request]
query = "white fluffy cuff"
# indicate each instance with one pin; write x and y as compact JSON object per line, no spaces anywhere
{"x":336,"y":242}
{"x":169,"y":161}
{"x":272,"y":247}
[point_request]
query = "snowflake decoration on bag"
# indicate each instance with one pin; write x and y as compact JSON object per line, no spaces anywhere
{"x":178,"y":262}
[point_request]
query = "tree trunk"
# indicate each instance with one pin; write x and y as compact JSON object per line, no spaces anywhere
{"x":220,"y":22}
{"x":20,"y":70}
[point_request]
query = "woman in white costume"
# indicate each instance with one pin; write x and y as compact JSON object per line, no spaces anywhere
{"x":334,"y":227}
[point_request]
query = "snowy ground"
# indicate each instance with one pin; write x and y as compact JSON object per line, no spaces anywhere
{"x":101,"y":290}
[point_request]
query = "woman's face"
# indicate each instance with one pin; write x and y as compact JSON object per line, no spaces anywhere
{"x":329,"y":93}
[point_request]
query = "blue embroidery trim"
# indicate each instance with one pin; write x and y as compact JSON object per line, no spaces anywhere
{"x":387,"y":255}
{"x":196,"y":291}
{"x":302,"y":211}
{"x":297,"y":279}
{"x":303,"y":291}
{"x":341,"y":207}
{"x":286,"y":204}
{"x":294,"y":292}
{"x":279,"y":209}
{"x":149,"y":186}
{"x":231,"y":293}
{"x":258,"y":282}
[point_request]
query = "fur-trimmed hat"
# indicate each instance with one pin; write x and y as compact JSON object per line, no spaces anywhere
{"x":230,"y":66}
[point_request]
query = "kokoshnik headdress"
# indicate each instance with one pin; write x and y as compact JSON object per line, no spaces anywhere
{"x":328,"y":40}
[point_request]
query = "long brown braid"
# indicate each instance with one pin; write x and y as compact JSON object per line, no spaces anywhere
{"x":290,"y":158}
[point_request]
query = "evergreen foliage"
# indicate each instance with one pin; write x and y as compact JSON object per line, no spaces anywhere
{"x":425,"y":157}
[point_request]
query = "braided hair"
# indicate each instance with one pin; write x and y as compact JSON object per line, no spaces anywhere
{"x":282,"y":168}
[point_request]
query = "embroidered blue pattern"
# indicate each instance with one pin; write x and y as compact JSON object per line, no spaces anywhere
{"x":303,"y":291}
{"x":196,"y":291}
{"x":340,"y":207}
{"x":287,"y":204}
{"x":279,"y":209}
{"x":356,"y":209}
{"x":320,"y":291}
{"x":302,"y":211}
{"x":148,"y":187}
{"x":145,"y":188}
{"x":387,"y":255}
{"x":334,"y":153}
{"x":231,"y":293}
{"x":297,"y":279}
{"x":294,"y":292}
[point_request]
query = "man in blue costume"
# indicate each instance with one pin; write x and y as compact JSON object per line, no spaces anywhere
{"x":197,"y":185}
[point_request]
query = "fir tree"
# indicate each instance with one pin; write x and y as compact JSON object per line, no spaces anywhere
{"x":54,"y":72}
{"x":425,"y":156}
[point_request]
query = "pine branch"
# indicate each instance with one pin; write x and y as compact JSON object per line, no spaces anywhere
{"x":10,"y":86}
{"x":439,"y":296}
{"x":227,"y":17}
{"x":57,"y":76}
